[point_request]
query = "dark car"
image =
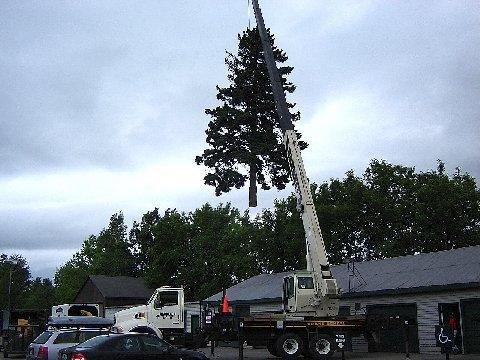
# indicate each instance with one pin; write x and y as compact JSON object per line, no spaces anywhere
{"x":130,"y":346}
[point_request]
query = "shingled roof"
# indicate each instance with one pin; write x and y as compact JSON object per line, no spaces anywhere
{"x":121,"y":287}
{"x":436,"y":271}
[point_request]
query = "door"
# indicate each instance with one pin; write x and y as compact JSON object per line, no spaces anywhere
{"x":156,"y":349}
{"x":471,"y":325}
{"x":167,"y":312}
{"x":195,"y":323}
{"x":449,"y":315}
{"x":128,"y":347}
{"x":391,"y":329}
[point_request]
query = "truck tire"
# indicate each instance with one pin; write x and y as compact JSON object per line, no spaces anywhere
{"x":272,"y":349}
{"x":5,"y":355}
{"x":321,"y":347}
{"x":289,"y":346}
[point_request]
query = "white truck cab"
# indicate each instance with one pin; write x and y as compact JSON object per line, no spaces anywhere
{"x":163,"y":315}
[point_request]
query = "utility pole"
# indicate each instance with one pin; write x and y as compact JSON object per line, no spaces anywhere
{"x":13,"y":263}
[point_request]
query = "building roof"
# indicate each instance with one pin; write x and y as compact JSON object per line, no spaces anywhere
{"x":436,"y":271}
{"x":121,"y":287}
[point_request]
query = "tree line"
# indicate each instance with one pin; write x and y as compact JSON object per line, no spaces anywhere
{"x":19,"y":289}
{"x":390,"y":210}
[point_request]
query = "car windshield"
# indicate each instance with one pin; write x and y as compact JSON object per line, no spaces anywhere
{"x":96,"y":341}
{"x":43,"y":337}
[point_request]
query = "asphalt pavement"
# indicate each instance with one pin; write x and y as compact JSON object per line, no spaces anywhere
{"x":226,"y":353}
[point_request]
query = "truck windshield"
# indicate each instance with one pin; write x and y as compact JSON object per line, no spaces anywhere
{"x":305,"y":282}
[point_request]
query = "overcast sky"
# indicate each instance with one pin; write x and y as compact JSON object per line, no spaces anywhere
{"x":102,"y":102}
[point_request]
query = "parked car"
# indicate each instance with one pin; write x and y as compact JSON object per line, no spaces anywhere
{"x":64,"y":332}
{"x":48,"y":343}
{"x":129,"y":346}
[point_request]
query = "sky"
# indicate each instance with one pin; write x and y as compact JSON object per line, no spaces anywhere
{"x":102,"y":102}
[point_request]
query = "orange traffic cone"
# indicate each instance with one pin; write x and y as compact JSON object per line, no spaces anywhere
{"x":224,"y":307}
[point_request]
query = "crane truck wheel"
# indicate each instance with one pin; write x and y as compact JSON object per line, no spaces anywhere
{"x":321,"y":347}
{"x":272,"y":349}
{"x":289,"y":346}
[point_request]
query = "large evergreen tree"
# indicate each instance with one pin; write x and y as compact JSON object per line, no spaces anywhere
{"x":244,"y":139}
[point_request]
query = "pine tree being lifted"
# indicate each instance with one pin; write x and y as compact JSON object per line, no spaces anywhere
{"x":244,"y":138}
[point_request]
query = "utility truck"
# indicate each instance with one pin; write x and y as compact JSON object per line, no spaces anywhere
{"x":309,"y":322}
{"x":164,"y":315}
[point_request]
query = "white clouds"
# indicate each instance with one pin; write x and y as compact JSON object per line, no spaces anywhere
{"x":350,"y":128}
{"x":159,"y":183}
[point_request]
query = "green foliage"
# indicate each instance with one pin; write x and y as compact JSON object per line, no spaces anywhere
{"x":220,"y":250}
{"x":279,"y":240}
{"x":391,"y":210}
{"x":40,"y":295}
{"x":177,"y":249}
{"x":108,"y":253}
{"x":17,"y":266}
{"x":69,"y":278}
{"x":244,"y":139}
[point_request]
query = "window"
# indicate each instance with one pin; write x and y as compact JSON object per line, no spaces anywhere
{"x":43,"y":337}
{"x":87,"y":335}
{"x":153,"y":343}
{"x":98,"y":340}
{"x":129,"y":344}
{"x":75,"y":337}
{"x":344,"y":310}
{"x":166,"y":298}
{"x":305,"y":282}
{"x":290,"y":287}
{"x":67,"y":338}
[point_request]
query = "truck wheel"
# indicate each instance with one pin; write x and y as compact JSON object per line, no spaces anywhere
{"x":5,"y":354}
{"x":289,"y":346}
{"x":321,"y":347}
{"x":272,"y":349}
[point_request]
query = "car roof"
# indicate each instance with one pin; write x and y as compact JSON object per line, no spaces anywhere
{"x":80,"y":321}
{"x":73,"y":329}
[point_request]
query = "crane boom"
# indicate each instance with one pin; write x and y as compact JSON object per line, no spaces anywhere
{"x":325,"y":289}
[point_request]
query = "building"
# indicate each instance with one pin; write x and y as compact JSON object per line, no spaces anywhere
{"x":113,"y":293}
{"x":428,"y":288}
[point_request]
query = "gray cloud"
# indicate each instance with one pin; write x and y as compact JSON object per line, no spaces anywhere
{"x":95,"y":97}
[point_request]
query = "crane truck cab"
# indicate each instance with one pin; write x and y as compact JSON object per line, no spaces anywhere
{"x":163,"y":315}
{"x":300,"y":295}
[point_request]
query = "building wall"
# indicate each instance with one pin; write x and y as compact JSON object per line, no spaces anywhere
{"x":427,"y":313}
{"x":191,"y":308}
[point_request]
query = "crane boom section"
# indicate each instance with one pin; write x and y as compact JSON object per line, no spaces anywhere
{"x":317,"y":261}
